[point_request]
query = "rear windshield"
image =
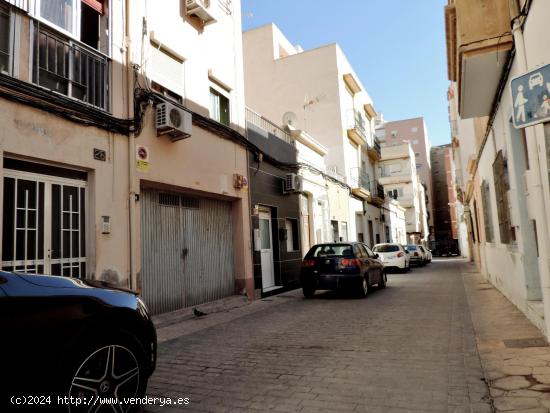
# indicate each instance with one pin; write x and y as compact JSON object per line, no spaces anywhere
{"x":340,"y":250}
{"x":410,"y":247}
{"x":386,"y":248}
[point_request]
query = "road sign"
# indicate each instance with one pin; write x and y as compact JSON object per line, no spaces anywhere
{"x":531,"y":97}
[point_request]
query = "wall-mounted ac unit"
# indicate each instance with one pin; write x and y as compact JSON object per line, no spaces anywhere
{"x":292,"y":183}
{"x":201,"y":9}
{"x":173,"y":121}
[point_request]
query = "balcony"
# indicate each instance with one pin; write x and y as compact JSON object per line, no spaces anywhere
{"x":356,"y":128}
{"x":377,"y":195}
{"x":478,"y":45}
{"x":70,"y":68}
{"x":387,"y":177}
{"x":360,"y":183}
{"x":266,"y":125}
{"x":374,"y":151}
{"x":406,"y":201}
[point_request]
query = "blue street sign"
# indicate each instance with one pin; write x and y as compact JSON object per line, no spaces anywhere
{"x":531,"y":97}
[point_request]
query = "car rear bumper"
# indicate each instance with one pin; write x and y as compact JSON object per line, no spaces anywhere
{"x":330,"y":281}
{"x":397,"y":263}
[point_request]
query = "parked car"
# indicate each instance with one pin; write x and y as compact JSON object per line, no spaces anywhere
{"x":70,"y":337}
{"x":393,"y":256}
{"x":427,"y":254}
{"x":341,"y":265}
{"x":415,"y":254}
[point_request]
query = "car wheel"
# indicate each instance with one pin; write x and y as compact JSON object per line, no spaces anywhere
{"x":408,"y":268}
{"x":114,"y":367}
{"x":364,"y":288}
{"x":308,"y":291}
{"x":382,"y":283}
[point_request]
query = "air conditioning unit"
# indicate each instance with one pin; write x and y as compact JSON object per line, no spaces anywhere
{"x":292,"y":183}
{"x":201,"y":9}
{"x":173,"y":121}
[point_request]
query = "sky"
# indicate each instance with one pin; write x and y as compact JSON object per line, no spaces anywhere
{"x":396,"y":47}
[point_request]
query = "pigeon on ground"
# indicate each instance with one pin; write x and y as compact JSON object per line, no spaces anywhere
{"x":198,"y":313}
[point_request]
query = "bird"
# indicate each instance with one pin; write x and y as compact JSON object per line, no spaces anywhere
{"x":198,"y":313}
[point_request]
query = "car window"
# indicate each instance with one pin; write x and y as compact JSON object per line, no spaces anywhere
{"x":421,"y":248}
{"x":410,"y":247}
{"x":362,"y":251}
{"x":386,"y":248}
{"x":369,"y":252}
{"x":331,"y":250}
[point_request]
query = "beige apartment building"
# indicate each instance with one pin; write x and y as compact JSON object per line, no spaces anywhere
{"x":414,"y":131}
{"x":319,"y":92}
{"x":398,"y":174}
{"x":502,"y":179}
{"x":123,"y":147}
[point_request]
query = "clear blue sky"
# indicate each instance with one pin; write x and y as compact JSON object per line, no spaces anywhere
{"x":397,"y":47}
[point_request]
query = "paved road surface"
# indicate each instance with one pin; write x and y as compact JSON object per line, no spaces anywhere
{"x":410,"y":347}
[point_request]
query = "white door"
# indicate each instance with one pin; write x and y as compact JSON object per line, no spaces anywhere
{"x":44,"y":224}
{"x":266,"y":251}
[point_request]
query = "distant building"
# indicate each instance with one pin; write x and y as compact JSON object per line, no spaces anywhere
{"x":398,"y":174}
{"x":413,"y":131}
{"x":444,"y":218}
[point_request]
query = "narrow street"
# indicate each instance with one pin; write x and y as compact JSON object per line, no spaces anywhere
{"x":410,"y":347}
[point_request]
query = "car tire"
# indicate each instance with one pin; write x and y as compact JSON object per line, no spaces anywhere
{"x":112,"y":366}
{"x":382,"y":283}
{"x":308,"y":291}
{"x":364,"y":288}
{"x":408,"y":268}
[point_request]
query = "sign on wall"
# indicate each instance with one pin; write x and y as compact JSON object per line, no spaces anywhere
{"x":531,"y":97}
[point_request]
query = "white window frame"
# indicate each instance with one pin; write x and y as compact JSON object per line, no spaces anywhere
{"x":224,"y":93}
{"x":75,"y":34}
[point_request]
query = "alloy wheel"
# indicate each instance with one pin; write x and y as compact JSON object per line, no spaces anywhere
{"x":109,"y":372}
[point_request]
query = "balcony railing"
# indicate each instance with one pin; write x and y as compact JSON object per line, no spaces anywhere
{"x":356,"y":126}
{"x":378,"y":189}
{"x":375,"y":151}
{"x":258,"y":120}
{"x":360,"y":179}
{"x":69,"y":68}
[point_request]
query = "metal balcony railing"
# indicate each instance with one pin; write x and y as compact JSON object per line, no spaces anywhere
{"x":70,"y":68}
{"x":258,"y":120}
{"x":226,"y":6}
{"x":378,"y":189}
{"x":357,"y":122}
{"x":360,"y":179}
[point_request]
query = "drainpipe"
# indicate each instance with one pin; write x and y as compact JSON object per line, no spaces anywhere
{"x":131,"y":151}
{"x":535,"y":141}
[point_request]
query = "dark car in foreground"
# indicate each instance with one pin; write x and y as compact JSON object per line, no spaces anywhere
{"x":65,"y":337}
{"x":350,"y":265}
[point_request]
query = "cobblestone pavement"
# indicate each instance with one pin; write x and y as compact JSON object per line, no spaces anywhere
{"x":514,"y":354}
{"x":408,"y":348}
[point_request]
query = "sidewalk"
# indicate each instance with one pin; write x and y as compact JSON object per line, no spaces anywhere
{"x":514,"y":354}
{"x":184,"y":322}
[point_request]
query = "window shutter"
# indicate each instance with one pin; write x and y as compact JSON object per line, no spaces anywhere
{"x":97,"y":5}
{"x":502,"y":198}
{"x":486,"y":204}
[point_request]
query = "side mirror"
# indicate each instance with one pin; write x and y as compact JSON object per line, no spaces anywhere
{"x":376,"y":256}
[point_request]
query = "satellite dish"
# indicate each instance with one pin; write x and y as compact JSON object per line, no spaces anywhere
{"x":290,"y":119}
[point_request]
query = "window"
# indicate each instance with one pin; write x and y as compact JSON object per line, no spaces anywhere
{"x":395,"y":193}
{"x":335,"y":232}
{"x":5,"y":42}
{"x":417,"y":154}
{"x":63,"y":66}
{"x":393,"y":133}
{"x":501,"y":194}
{"x":292,"y":243}
{"x":219,"y":107}
{"x":84,"y":20}
{"x":415,"y":141}
{"x":167,"y":93}
{"x":486,"y":205}
{"x":414,"y":129}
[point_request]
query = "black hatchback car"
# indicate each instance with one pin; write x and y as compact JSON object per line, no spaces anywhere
{"x":64,"y":337}
{"x":341,"y":265}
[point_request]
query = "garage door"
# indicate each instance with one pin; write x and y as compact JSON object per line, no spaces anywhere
{"x":187,"y":250}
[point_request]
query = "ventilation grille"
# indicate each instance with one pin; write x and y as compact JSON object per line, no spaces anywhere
{"x":175,"y":200}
